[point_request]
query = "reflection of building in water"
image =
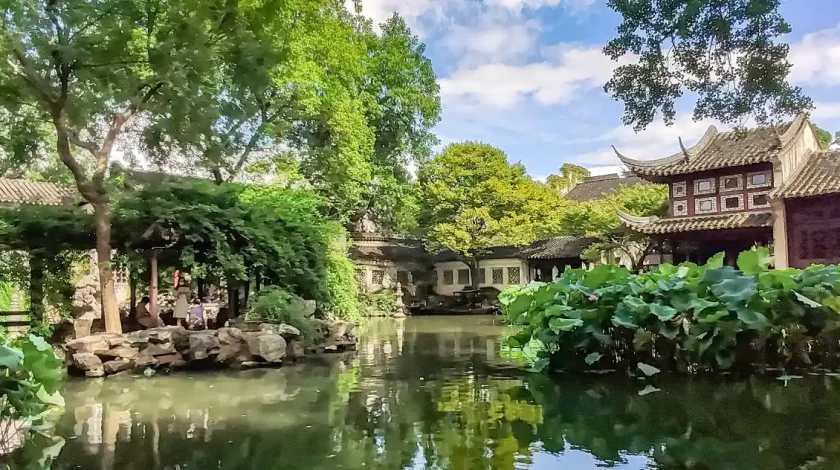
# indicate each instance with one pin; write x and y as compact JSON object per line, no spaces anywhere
{"x":89,"y":423}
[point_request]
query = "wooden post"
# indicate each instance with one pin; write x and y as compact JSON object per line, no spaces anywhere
{"x":153,"y":285}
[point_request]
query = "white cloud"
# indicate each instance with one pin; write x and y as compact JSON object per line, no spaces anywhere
{"x":657,"y":141}
{"x":495,"y":36}
{"x":826,"y":110}
{"x":815,"y":58}
{"x":518,"y":5}
{"x":554,"y":81}
{"x":413,"y":11}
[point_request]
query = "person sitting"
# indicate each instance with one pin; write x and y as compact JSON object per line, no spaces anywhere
{"x":144,"y":317}
{"x":196,"y":317}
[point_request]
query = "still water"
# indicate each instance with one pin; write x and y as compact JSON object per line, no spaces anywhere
{"x":442,"y":393}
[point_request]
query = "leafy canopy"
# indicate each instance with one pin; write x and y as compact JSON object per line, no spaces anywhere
{"x":570,"y":175}
{"x":726,"y":52}
{"x":473,"y":199}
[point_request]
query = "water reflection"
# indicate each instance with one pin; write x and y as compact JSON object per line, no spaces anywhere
{"x":433,"y":393}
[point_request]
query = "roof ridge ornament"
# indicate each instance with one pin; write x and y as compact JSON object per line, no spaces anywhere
{"x":684,"y":150}
{"x":794,"y":129}
{"x":680,"y":156}
{"x":629,"y":219}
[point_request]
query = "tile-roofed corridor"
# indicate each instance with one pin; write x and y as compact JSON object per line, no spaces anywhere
{"x":16,"y":191}
{"x":599,"y":187}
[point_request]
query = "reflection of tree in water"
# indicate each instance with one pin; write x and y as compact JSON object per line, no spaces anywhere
{"x":417,"y":399}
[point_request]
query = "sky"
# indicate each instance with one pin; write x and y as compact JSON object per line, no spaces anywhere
{"x":527,"y":76}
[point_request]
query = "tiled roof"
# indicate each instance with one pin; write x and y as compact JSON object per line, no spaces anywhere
{"x":819,"y":175}
{"x":34,"y":192}
{"x":391,"y":251}
{"x":657,"y":226}
{"x":496,"y":252}
{"x":558,"y":247}
{"x":598,"y":187}
{"x":722,"y":150}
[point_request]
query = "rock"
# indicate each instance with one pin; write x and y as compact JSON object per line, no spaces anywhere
{"x":269,"y":347}
{"x":282,"y":329}
{"x":339,"y":346}
{"x":149,"y":372}
{"x":118,"y":365}
{"x":89,"y":363}
{"x":138,"y":337}
{"x":88,"y":344}
{"x":86,"y":361}
{"x":125,"y":352}
{"x":144,"y":360}
{"x":118,"y":341}
{"x":169,"y":359}
{"x":229,"y":335}
{"x":160,"y":349}
{"x":294,"y":349}
{"x":164,"y":334}
{"x":203,"y":340}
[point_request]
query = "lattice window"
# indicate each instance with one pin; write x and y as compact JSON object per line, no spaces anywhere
{"x":121,"y":277}
{"x":760,"y":179}
{"x":498,"y":276}
{"x":680,"y":208}
{"x":759,"y":200}
{"x":361,"y":276}
{"x":514,"y":275}
{"x":482,"y":276}
{"x":463,"y":277}
{"x":448,"y":278}
{"x":704,"y":186}
{"x":731,"y":183}
{"x":679,"y":189}
{"x":732,"y":203}
{"x":706,"y":205}
{"x":378,"y":277}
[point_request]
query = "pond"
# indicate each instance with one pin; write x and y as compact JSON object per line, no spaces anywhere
{"x":442,"y":393}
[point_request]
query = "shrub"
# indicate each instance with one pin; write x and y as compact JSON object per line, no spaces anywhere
{"x":684,"y":318}
{"x":340,"y":278}
{"x":380,"y":303}
{"x":277,"y":305}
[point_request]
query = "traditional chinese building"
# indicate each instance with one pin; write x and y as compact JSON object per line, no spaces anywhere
{"x":735,"y":190}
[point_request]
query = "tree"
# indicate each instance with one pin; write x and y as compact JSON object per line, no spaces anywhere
{"x":823,"y":136}
{"x":725,"y":51}
{"x":570,"y":175}
{"x":88,"y":68}
{"x":472,"y":199}
{"x":598,"y":218}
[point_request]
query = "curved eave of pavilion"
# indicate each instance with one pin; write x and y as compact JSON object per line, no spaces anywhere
{"x":634,"y":222}
{"x":653,"y":167}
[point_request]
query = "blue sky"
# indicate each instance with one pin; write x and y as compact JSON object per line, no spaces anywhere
{"x":527,"y":76}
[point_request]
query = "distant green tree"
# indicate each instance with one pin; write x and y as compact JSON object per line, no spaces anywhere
{"x":727,"y":52}
{"x":570,"y":175}
{"x":599,"y":219}
{"x":472,"y":199}
{"x":823,"y":136}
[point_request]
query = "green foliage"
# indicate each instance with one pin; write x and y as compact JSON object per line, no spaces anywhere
{"x":823,"y":136}
{"x":569,"y":176}
{"x":473,"y":199}
{"x":340,"y":279}
{"x":682,"y":318}
{"x":381,"y":303}
{"x":30,"y":378}
{"x":727,"y":52}
{"x":277,"y":305}
{"x":599,"y":219}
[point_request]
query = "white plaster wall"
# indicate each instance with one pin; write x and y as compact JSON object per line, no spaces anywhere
{"x":449,"y":290}
{"x":794,"y":154}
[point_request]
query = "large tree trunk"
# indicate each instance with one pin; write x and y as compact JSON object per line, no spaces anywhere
{"x":110,"y":312}
{"x":472,"y":263}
